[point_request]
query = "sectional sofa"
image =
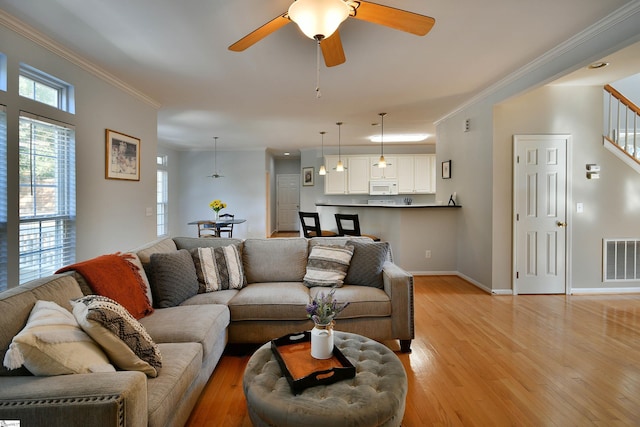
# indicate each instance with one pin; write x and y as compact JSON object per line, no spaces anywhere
{"x":262,"y":288}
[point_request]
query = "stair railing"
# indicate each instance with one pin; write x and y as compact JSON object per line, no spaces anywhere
{"x":622,"y":127}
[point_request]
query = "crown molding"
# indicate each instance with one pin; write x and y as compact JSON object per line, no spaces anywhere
{"x":30,"y":33}
{"x":608,"y":22}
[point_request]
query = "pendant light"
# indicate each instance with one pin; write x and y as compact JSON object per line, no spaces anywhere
{"x":215,"y":159}
{"x":339,"y":166}
{"x":322,"y":170}
{"x":382,"y":163}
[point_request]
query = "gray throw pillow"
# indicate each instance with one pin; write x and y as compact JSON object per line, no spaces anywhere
{"x":174,"y":278}
{"x":366,"y":264}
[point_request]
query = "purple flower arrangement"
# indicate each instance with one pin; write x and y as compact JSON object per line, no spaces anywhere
{"x":324,"y":308}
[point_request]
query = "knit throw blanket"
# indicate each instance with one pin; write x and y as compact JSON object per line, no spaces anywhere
{"x":115,"y":277}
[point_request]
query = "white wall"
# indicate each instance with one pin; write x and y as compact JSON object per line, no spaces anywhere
{"x":111,"y":214}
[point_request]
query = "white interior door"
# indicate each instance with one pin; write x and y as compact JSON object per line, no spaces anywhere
{"x":540,"y":214}
{"x":288,"y":196}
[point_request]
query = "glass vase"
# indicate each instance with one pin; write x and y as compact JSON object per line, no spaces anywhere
{"x":322,"y":341}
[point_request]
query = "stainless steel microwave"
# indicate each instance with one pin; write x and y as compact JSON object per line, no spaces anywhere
{"x":383,"y":187}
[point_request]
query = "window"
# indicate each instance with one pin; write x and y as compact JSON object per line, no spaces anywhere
{"x":47,"y":196}
{"x":3,"y":72}
{"x":3,"y":198}
{"x":162,"y":189}
{"x":39,"y":86}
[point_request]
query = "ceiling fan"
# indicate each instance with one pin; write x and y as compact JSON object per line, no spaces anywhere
{"x":215,"y":160}
{"x":319,"y":20}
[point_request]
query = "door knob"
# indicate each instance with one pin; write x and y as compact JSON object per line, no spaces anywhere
{"x":561,"y":224}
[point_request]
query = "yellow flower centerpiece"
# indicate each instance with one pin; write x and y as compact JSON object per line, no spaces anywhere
{"x":217,"y":205}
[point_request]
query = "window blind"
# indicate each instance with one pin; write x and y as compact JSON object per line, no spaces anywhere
{"x":3,"y":197}
{"x":47,"y":196}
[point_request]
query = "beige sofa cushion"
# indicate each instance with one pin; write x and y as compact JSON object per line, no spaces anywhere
{"x":270,"y":301}
{"x":192,"y":323}
{"x":364,"y":301}
{"x":275,"y":260}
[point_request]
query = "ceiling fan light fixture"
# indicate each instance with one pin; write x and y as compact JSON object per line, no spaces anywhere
{"x":318,"y":19}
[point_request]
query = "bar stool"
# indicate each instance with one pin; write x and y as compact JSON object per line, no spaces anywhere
{"x":349,"y":225}
{"x":311,"y":225}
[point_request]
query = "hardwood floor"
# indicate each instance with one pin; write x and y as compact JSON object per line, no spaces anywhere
{"x":482,"y":360}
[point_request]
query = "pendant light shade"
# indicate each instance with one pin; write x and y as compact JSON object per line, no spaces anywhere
{"x":339,"y":166}
{"x":382,"y":163}
{"x":318,"y":19}
{"x":322,"y":170}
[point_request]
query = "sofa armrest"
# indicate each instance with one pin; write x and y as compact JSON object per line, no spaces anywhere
{"x":398,"y":284}
{"x":98,"y":399}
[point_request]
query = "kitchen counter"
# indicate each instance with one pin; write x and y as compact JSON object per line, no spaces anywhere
{"x":385,"y":205}
{"x":422,"y":235}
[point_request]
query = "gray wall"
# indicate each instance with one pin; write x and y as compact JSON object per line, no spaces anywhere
{"x":111,"y":214}
{"x":482,"y":158}
{"x":611,"y":204}
{"x":242,"y":188}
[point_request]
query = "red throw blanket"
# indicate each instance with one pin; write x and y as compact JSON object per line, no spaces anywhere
{"x":115,"y":277}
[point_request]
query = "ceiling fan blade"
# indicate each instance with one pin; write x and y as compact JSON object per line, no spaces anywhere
{"x":260,"y":33}
{"x":394,"y":18}
{"x":332,"y":50}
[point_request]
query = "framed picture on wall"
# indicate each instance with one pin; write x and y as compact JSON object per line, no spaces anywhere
{"x":122,"y":156}
{"x":307,"y":176}
{"x":446,"y":169}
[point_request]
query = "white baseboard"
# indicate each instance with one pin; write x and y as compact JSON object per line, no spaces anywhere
{"x":584,"y":291}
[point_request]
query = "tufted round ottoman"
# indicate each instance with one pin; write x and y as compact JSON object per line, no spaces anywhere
{"x":374,"y":397}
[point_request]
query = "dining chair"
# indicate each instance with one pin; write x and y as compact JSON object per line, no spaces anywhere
{"x":225,"y":227}
{"x":311,"y":225}
{"x":349,"y":225}
{"x":207,"y":229}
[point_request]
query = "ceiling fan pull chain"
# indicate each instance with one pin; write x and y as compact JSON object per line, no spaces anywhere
{"x":318,"y":94}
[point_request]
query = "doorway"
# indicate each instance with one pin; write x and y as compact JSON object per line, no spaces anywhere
{"x":540,"y":219}
{"x":288,"y":202}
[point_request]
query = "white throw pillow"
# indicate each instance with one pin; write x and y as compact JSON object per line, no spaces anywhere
{"x":121,"y":336}
{"x":52,"y":343}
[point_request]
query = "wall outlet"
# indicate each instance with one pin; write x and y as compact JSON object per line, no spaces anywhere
{"x":427,"y":254}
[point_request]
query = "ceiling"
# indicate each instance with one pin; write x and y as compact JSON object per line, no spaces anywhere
{"x":175,"y":52}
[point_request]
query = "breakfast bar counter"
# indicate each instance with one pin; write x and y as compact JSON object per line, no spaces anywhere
{"x":388,"y":205}
{"x":423,"y":237}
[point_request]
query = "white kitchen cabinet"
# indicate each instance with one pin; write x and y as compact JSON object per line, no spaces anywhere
{"x":417,"y":174}
{"x":358,"y":175}
{"x":334,"y":182}
{"x":390,"y":172}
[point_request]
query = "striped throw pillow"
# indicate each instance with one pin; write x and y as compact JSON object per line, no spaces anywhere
{"x":219,"y":268}
{"x":327,"y":265}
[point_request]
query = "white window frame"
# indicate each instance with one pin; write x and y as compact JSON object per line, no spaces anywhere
{"x":162,"y":199}
{"x":65,"y":91}
{"x":47,"y":231}
{"x":3,"y":199}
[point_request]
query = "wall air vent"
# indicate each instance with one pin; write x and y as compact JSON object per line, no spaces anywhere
{"x":621,"y":260}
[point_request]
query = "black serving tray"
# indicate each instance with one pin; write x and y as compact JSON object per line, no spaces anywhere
{"x":293,"y":353}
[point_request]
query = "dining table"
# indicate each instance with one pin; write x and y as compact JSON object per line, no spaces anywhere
{"x":214,"y":224}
